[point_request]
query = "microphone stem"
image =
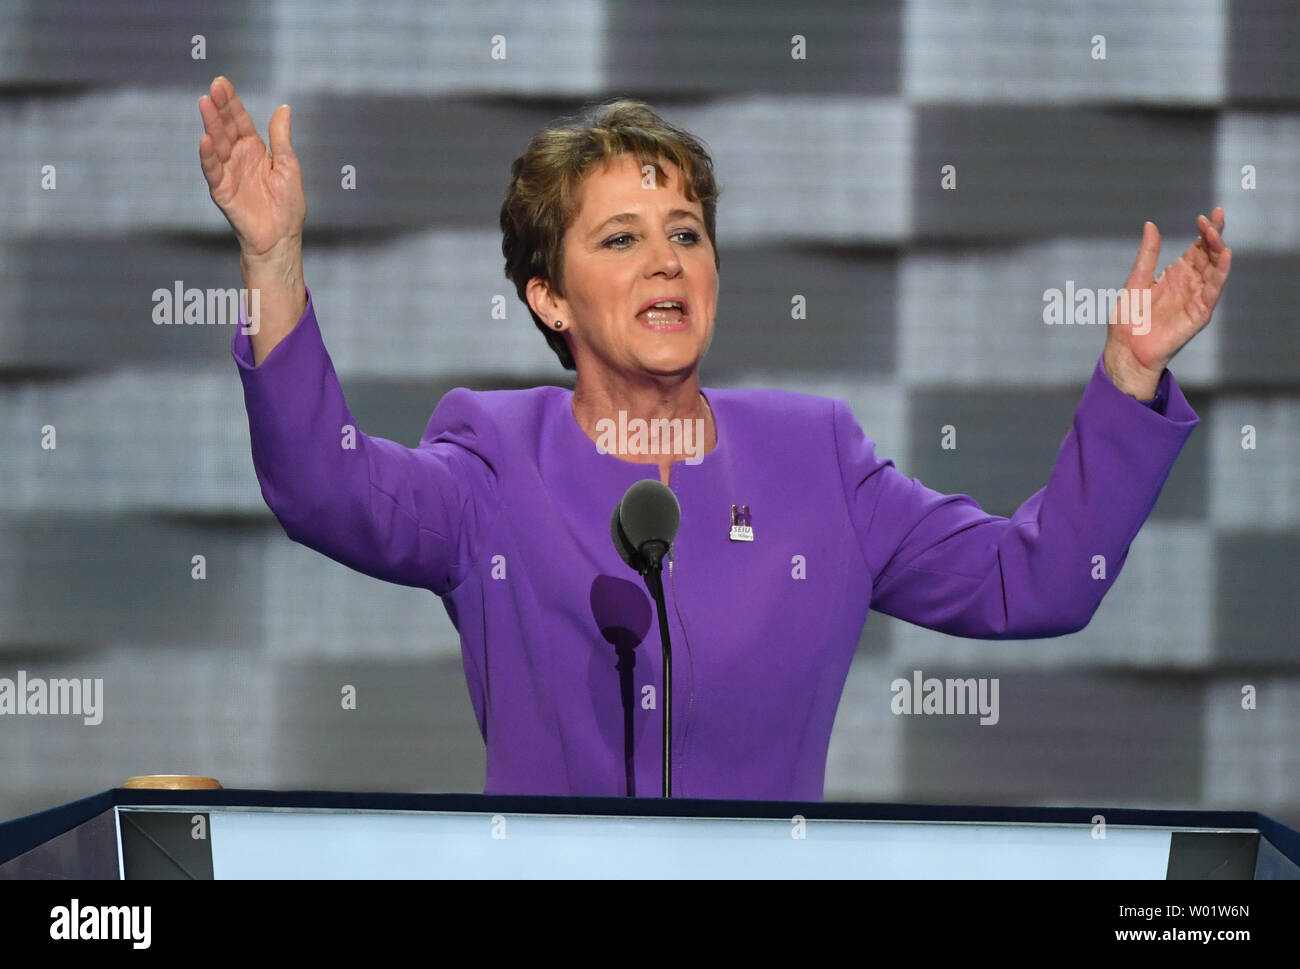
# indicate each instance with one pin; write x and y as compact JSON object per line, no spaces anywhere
{"x":654,"y":578}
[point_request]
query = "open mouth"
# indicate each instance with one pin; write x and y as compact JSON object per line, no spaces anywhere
{"x":665,"y":314}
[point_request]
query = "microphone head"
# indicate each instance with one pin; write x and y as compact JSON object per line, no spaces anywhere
{"x":621,"y":542}
{"x":648,"y":515}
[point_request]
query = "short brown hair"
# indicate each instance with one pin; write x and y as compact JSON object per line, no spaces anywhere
{"x":541,"y":201}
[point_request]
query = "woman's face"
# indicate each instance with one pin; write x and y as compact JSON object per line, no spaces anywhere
{"x":637,"y":240}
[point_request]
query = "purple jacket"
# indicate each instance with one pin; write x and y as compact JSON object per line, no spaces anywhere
{"x":503,"y":510}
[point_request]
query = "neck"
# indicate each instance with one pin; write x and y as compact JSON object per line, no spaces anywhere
{"x":603,"y":401}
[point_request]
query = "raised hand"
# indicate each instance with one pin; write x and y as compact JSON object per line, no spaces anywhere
{"x":1182,"y":299}
{"x":259,"y":192}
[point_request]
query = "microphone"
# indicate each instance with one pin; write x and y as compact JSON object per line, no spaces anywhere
{"x":643,"y":527}
{"x":645,"y":523}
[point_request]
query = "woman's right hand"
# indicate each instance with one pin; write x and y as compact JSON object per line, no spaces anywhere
{"x":259,"y":192}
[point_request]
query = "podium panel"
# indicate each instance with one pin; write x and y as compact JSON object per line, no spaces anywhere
{"x":230,"y":834}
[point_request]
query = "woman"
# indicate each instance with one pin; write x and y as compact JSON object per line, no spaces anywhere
{"x":503,"y":509}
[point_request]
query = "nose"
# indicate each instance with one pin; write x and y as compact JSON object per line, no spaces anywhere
{"x":662,"y":258}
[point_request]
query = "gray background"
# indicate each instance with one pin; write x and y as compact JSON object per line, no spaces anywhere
{"x":924,"y":308}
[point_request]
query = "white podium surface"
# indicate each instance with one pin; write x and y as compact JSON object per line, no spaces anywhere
{"x":259,"y":844}
{"x":250,"y":834}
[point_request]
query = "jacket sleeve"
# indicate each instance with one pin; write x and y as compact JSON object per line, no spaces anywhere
{"x":406,"y":515}
{"x":941,"y":562}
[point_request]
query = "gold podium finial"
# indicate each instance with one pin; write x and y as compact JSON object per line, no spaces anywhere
{"x":173,"y":782}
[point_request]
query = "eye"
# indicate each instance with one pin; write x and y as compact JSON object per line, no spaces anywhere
{"x":691,"y":238}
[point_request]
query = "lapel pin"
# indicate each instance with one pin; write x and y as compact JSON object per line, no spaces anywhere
{"x":742,"y":524}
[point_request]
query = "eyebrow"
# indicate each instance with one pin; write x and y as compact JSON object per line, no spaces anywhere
{"x":624,"y":218}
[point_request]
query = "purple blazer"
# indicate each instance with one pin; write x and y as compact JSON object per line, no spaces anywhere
{"x":503,"y":510}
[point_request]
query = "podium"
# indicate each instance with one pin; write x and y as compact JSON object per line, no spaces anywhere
{"x":246,"y":834}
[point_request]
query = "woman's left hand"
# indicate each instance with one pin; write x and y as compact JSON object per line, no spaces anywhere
{"x":1182,"y":299}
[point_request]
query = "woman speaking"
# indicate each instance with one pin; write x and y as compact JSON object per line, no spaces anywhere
{"x":792,"y":527}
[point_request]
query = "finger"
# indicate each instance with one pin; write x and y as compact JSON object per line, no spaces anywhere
{"x":281,"y":136}
{"x":1224,"y":264}
{"x":214,"y":127}
{"x":1217,"y":218}
{"x":1148,"y":255}
{"x":221,"y":98}
{"x":1215,"y":280}
{"x":243,"y":122}
{"x":209,"y":160}
{"x":1210,"y":234}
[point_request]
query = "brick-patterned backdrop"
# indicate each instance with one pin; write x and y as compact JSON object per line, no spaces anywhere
{"x":924,"y":309}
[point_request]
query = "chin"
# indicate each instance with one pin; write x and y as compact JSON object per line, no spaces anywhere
{"x":669,"y":360}
{"x":673,"y":356}
{"x":669,"y":366}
